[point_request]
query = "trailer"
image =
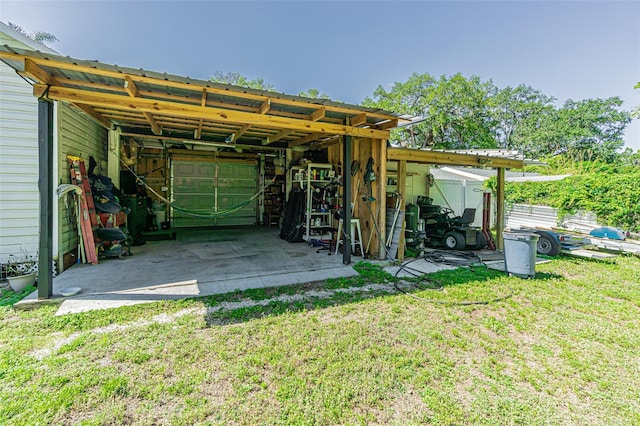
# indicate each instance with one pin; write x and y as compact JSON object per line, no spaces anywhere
{"x":601,"y":243}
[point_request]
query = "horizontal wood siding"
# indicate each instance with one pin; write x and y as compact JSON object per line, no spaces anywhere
{"x":19,"y":197}
{"x":81,"y":136}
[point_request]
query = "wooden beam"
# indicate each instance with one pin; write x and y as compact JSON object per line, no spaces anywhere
{"x":402,"y":189}
{"x":357,"y":120}
{"x":203,"y":102}
{"x":241,"y":131}
{"x":318,"y":114}
{"x":219,"y":144}
{"x":95,"y":70}
{"x":90,"y":111}
{"x":159,"y":107}
{"x":500,"y":209}
{"x":440,"y":157}
{"x":265,"y":107}
{"x":306,"y":139}
{"x":131,"y":87}
{"x":31,"y":69}
{"x":388,"y":124}
{"x":132,"y":90}
{"x":155,"y":128}
{"x":281,"y":134}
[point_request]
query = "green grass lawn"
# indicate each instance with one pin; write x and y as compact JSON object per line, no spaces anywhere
{"x":564,"y":349}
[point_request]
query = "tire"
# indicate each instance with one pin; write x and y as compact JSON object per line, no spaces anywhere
{"x":547,"y":244}
{"x":453,"y":241}
{"x":481,"y":242}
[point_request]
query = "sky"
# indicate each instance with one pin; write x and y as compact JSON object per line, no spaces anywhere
{"x":570,"y":50}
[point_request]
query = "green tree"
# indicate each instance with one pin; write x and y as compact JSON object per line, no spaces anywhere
{"x":238,"y":79}
{"x":41,"y":37}
{"x":513,"y":109}
{"x":314,"y":93}
{"x":455,"y":110}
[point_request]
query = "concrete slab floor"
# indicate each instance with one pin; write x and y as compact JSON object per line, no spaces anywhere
{"x":200,"y":262}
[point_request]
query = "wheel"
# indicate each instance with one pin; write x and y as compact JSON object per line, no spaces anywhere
{"x":453,"y":241}
{"x":481,"y":241}
{"x":547,"y":244}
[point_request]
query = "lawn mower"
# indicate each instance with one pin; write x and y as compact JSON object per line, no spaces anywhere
{"x":444,"y":229}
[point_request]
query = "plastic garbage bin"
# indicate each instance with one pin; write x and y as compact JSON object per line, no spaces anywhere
{"x":520,"y":249}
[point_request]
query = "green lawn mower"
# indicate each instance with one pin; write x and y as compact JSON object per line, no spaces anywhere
{"x":443,"y":229}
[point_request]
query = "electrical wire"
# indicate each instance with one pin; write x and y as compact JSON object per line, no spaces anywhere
{"x":446,"y":257}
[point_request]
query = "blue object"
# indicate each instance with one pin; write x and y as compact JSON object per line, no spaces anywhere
{"x":608,"y":232}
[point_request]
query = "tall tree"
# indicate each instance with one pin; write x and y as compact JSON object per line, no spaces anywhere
{"x":41,"y":37}
{"x":238,"y":79}
{"x":512,"y":108}
{"x":455,"y":110}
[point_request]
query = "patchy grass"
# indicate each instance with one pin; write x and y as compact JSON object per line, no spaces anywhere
{"x":9,"y":297}
{"x":561,"y":350}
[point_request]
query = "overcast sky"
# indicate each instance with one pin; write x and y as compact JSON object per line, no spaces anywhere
{"x":569,"y":50}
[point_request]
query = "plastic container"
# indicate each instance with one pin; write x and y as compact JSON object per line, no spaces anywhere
{"x":520,"y":253}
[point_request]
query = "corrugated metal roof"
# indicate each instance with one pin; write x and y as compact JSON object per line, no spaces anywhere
{"x":188,"y":108}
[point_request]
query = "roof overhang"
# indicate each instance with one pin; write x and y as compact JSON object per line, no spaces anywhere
{"x":453,"y":158}
{"x":148,"y":104}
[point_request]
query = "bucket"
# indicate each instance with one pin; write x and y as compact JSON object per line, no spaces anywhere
{"x":161,"y":216}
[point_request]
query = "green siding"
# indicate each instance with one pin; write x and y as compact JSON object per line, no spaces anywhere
{"x":80,"y":136}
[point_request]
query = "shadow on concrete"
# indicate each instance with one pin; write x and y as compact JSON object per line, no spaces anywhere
{"x":199,"y":262}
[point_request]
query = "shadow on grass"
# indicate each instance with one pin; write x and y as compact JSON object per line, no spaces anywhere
{"x":372,"y":282}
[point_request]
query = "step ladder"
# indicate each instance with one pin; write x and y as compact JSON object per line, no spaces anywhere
{"x":356,"y":236}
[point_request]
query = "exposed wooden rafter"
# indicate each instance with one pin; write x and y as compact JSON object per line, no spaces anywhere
{"x":132,"y":90}
{"x":213,"y":114}
{"x":203,"y":102}
{"x":281,"y":134}
{"x":95,"y":70}
{"x":357,"y":120}
{"x":389,"y":124}
{"x":444,"y":157}
{"x":104,"y":122}
{"x":318,"y":114}
{"x":265,"y":107}
{"x":306,"y":139}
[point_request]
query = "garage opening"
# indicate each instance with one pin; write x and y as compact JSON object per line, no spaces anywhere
{"x":203,"y":187}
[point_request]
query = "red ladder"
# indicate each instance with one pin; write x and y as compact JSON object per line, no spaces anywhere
{"x":88,"y":219}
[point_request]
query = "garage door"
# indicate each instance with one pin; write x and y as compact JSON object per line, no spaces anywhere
{"x":203,"y":187}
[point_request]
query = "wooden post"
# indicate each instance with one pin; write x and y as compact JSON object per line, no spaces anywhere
{"x":45,"y":187}
{"x":382,"y":198}
{"x":113,"y":157}
{"x":402,"y":189}
{"x":346,"y":201}
{"x":500,"y":210}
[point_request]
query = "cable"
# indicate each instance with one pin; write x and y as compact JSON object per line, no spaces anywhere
{"x":447,"y":257}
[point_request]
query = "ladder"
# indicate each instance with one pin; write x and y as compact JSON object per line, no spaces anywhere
{"x":87,"y":218}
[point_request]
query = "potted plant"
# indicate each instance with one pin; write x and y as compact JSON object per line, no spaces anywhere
{"x":21,"y":270}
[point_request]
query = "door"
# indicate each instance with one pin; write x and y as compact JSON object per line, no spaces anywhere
{"x":210,"y":186}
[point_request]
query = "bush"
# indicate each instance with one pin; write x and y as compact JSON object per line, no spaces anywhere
{"x":612,"y":191}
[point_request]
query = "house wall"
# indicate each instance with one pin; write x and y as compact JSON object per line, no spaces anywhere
{"x":19,"y":198}
{"x":78,"y":135}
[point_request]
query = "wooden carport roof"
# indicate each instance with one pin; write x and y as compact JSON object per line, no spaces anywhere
{"x":153,"y":104}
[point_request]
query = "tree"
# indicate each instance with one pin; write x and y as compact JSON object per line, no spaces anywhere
{"x":314,"y":93}
{"x":41,"y":37}
{"x":513,"y":109}
{"x":455,"y":111}
{"x":238,"y":79}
